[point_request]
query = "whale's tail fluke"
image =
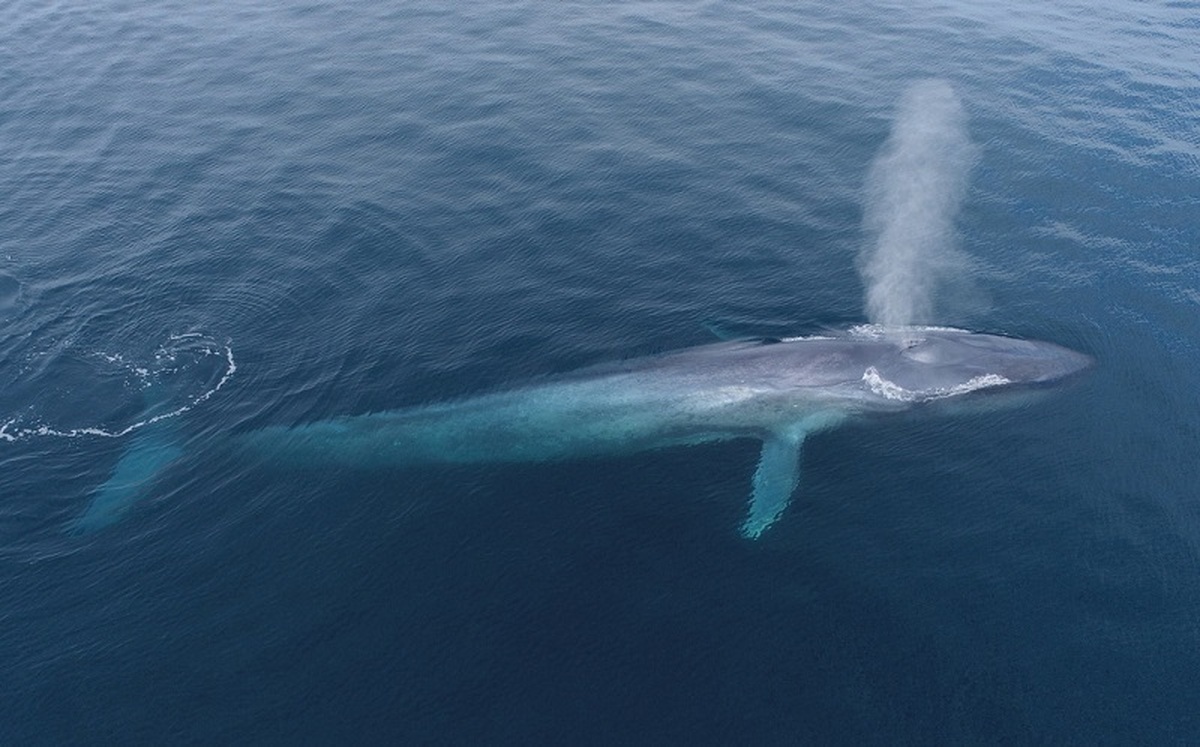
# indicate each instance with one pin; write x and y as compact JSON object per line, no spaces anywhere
{"x":148,"y":454}
{"x":150,"y":451}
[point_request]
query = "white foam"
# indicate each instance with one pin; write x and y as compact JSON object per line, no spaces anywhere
{"x":880,"y":331}
{"x":891,"y":390}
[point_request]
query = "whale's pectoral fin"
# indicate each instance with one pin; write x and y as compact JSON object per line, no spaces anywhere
{"x":723,"y":331}
{"x":728,"y":333}
{"x":779,"y":470}
{"x":774,"y":481}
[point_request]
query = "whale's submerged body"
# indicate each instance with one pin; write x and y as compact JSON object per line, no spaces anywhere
{"x":777,"y":391}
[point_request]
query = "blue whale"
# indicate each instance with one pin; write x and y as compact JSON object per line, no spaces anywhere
{"x":776,"y":391}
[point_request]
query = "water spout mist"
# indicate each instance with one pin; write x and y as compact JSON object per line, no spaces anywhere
{"x":913,"y":193}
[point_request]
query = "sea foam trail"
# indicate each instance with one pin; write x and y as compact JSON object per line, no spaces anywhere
{"x":913,"y":192}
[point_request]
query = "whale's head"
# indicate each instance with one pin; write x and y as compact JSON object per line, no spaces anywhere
{"x":922,"y":364}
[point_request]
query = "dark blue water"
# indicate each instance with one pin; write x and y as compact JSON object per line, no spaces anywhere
{"x":362,"y":207}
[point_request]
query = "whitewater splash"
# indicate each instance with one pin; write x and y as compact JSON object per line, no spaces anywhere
{"x":913,"y":192}
{"x":191,"y":346}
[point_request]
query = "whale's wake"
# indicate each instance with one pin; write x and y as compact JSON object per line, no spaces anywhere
{"x":181,"y":352}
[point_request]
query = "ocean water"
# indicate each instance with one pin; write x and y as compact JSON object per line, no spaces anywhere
{"x":215,"y":219}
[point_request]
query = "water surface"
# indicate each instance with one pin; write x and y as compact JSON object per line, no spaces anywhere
{"x":367,"y":207}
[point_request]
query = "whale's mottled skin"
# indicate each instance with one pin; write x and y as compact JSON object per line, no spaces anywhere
{"x":777,"y":391}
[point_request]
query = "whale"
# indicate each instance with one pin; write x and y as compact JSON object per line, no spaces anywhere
{"x":777,"y":391}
